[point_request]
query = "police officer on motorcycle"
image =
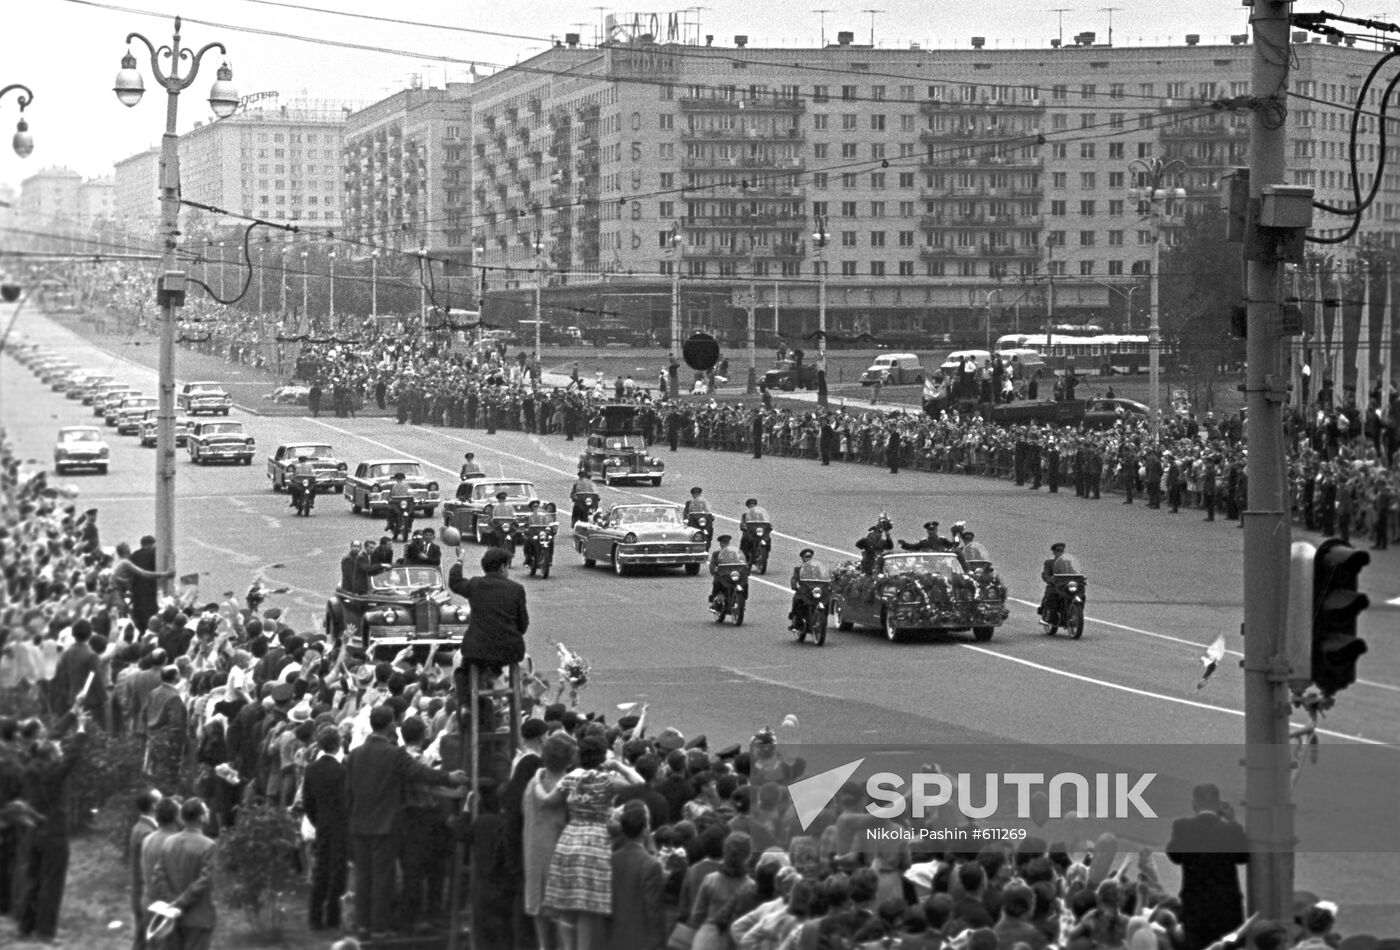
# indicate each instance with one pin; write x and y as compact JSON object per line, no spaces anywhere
{"x":398,"y":491}
{"x":699,"y":506}
{"x":470,"y":468}
{"x":537,"y":517}
{"x":809,"y":570}
{"x":303,"y":474}
{"x":1054,"y":565}
{"x":752,"y":514}
{"x":722,"y":557}
{"x":582,"y":488}
{"x":493,"y":511}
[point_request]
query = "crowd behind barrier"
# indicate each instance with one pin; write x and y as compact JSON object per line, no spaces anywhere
{"x":596,"y":835}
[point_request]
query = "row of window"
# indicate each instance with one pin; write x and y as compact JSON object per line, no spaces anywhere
{"x":994,"y":269}
{"x":966,"y":92}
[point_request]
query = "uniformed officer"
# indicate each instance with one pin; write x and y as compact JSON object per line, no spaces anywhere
{"x":932,"y":542}
{"x":753,"y":514}
{"x":875,"y":541}
{"x":471,"y":468}
{"x":699,"y":506}
{"x":489,"y":515}
{"x":583,"y":485}
{"x":1057,"y":563}
{"x":722,"y":556}
{"x":538,"y":516}
{"x":398,"y":490}
{"x":302,"y":469}
{"x":809,"y":570}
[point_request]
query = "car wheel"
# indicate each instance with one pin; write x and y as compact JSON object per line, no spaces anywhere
{"x":839,"y":618}
{"x":982,"y":634}
{"x":587,"y":561}
{"x":429,"y":511}
{"x":656,"y":482}
{"x":355,"y":507}
{"x":248,"y":460}
{"x":892,"y":632}
{"x":692,"y":569}
{"x":277,"y":485}
{"x":618,"y":567}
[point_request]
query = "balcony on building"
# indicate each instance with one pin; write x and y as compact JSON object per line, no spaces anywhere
{"x":983,"y":105}
{"x":740,"y":103}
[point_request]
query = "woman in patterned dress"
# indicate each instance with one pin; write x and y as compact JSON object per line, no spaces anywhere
{"x":578,"y":889}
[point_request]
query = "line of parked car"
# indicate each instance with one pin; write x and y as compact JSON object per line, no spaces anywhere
{"x":130,"y":411}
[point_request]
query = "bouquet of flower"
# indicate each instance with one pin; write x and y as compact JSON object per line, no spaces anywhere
{"x":573,"y":674}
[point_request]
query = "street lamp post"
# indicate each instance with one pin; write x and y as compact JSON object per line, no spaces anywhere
{"x":305,"y":290}
{"x":677,"y":249}
{"x":819,"y":241}
{"x":374,"y":283}
{"x":1151,"y":174}
{"x":752,"y":385}
{"x":261,"y":275}
{"x":221,"y":269}
{"x":989,"y":295}
{"x":23,"y":142}
{"x":538,"y":248}
{"x":330,"y":313}
{"x":223,"y":100}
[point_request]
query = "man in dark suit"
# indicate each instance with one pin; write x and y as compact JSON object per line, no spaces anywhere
{"x":495,"y":635}
{"x":366,"y":566}
{"x":347,"y":567}
{"x":145,"y":588}
{"x":638,"y":919}
{"x":323,"y":795}
{"x":45,"y":855}
{"x":75,"y":665}
{"x":376,"y":774}
{"x":184,"y":877}
{"x":527,"y":763}
{"x":1209,"y":846}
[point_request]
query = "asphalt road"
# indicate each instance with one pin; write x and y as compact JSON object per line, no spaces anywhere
{"x":1161,"y":587}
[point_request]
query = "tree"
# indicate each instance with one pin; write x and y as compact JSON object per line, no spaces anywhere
{"x":1202,"y":279}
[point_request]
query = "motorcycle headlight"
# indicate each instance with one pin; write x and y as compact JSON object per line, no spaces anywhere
{"x":342,"y":466}
{"x":817,"y":593}
{"x":249,"y":441}
{"x":1072,"y":588}
{"x":463,"y":614}
{"x":734,"y":576}
{"x":432,"y":486}
{"x":758,"y":532}
{"x":629,"y":538}
{"x":698,"y":536}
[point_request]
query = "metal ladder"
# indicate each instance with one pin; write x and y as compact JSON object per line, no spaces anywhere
{"x":471,"y":802}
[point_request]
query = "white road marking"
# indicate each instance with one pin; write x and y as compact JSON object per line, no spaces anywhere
{"x":816,"y":544}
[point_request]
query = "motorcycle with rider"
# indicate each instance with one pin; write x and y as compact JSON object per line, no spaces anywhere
{"x":756,"y":541}
{"x":302,"y":486}
{"x":1066,"y":591}
{"x":729,"y":588}
{"x":811,"y":599}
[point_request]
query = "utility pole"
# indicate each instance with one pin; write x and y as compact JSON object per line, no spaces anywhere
{"x":677,"y":243}
{"x":752,"y":386}
{"x":1267,"y":533}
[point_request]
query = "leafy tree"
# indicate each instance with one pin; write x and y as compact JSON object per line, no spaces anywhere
{"x":1202,"y":279}
{"x":256,"y":861}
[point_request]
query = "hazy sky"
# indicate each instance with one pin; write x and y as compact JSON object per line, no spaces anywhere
{"x":68,"y":52}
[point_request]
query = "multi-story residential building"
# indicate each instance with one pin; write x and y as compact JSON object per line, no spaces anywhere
{"x":943,"y":181}
{"x":282,"y":164}
{"x":137,"y":183}
{"x":50,"y":197}
{"x":97,"y":202}
{"x":408,"y":172}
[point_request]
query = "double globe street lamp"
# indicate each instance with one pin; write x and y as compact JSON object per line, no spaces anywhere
{"x":170,"y":292}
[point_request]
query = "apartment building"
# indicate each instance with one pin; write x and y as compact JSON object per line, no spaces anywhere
{"x":281,"y":163}
{"x":136,"y":181}
{"x":408,"y":172}
{"x":941,"y":181}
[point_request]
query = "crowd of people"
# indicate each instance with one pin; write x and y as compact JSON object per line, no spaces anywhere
{"x":593,"y":835}
{"x":1341,"y":461}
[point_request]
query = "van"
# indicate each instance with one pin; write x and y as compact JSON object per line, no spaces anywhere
{"x":894,"y":369}
{"x":1029,"y":360}
{"x":955,"y":360}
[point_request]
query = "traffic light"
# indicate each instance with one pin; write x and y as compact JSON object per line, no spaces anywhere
{"x":1336,"y":606}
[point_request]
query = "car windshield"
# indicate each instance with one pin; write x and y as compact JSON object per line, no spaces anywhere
{"x":515,"y":491}
{"x":619,"y":443}
{"x":222,"y":428}
{"x":139,"y":403}
{"x":81,"y":435}
{"x":205,"y":388}
{"x":945,"y":565}
{"x":311,"y":451}
{"x":388,"y":469}
{"x":406,"y":578}
{"x":647,"y":514}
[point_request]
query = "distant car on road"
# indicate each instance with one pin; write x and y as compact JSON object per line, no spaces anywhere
{"x":195,"y":398}
{"x":131,"y":412}
{"x":149,"y":429}
{"x":788,"y":376}
{"x":641,"y":536}
{"x":330,"y":470}
{"x":1106,"y":413}
{"x":224,"y":441}
{"x":368,"y":488}
{"x":80,"y":447}
{"x":894,"y":369}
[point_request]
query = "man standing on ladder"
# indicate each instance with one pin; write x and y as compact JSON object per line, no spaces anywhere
{"x":495,"y":637}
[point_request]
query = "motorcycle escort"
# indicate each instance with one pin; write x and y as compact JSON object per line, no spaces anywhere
{"x":585,"y":506}
{"x":758,"y":543}
{"x":1066,"y":607}
{"x":303,"y":490}
{"x":734,"y":593}
{"x":813,"y":607}
{"x":705,"y":521}
{"x":401,"y":512}
{"x":507,"y":534}
{"x":539,"y":548}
